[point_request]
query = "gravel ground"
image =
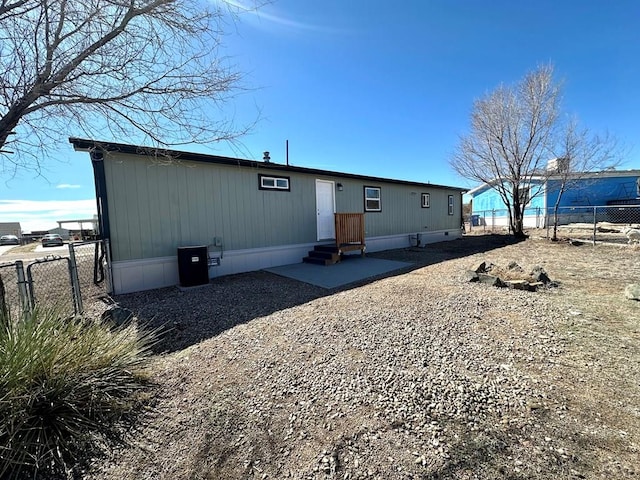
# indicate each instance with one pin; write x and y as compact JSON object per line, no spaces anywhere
{"x":411,"y":376}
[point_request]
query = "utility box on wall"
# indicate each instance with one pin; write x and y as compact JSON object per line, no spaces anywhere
{"x":193,"y":267}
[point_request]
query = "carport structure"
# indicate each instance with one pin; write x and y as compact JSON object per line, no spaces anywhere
{"x":81,"y":225}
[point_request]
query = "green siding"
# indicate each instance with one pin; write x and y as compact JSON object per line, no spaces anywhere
{"x":155,"y":207}
{"x":401,"y":208}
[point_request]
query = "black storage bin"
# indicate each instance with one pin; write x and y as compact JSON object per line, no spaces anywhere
{"x":192,"y":266}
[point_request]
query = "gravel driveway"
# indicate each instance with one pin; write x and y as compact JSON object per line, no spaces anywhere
{"x":411,"y":376}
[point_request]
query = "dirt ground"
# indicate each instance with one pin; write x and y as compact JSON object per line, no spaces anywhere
{"x":584,"y":342}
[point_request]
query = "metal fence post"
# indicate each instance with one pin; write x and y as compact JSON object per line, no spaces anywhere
{"x":4,"y":317}
{"x":594,"y":224}
{"x":75,"y":284}
{"x":546,"y":221}
{"x":25,"y":292}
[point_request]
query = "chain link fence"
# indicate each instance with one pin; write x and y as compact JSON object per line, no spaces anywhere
{"x":13,"y":288}
{"x":49,"y":283}
{"x":607,"y":224}
{"x":587,"y":223}
{"x":493,"y":221}
{"x":67,"y":282}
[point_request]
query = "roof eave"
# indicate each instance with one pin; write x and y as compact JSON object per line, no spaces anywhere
{"x":86,"y":145}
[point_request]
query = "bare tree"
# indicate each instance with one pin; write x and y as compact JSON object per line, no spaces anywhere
{"x":144,"y":69}
{"x":515,"y":130}
{"x":580,"y":154}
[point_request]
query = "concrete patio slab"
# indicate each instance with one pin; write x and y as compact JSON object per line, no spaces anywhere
{"x":352,"y":268}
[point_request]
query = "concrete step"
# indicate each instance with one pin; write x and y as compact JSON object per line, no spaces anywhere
{"x":318,"y":261}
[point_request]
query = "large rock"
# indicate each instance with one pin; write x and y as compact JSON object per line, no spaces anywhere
{"x":518,"y":284}
{"x":479,"y":268}
{"x":514,"y":267}
{"x":490,"y":280}
{"x":117,"y":315}
{"x":632,"y":292}
{"x":539,"y":275}
{"x":471,"y":276}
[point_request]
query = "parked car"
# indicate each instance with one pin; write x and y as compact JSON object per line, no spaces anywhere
{"x":9,"y":240}
{"x":52,"y":240}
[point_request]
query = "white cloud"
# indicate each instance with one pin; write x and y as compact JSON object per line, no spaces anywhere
{"x":44,"y":214}
{"x":68,"y":185}
{"x":266,"y":15}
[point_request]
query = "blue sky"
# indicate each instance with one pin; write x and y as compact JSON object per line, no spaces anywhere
{"x":385,"y":88}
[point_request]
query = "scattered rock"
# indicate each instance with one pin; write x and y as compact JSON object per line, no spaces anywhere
{"x":117,"y":315}
{"x":475,"y":365}
{"x":471,"y":276}
{"x":513,"y":266}
{"x":632,"y":291}
{"x":518,"y":284}
{"x":513,"y":276}
{"x":489,"y":267}
{"x":533,"y":286}
{"x":539,"y":275}
{"x":480,"y":268}
{"x":607,"y":230}
{"x":491,"y":280}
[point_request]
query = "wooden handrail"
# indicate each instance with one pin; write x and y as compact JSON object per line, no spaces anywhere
{"x":350,"y":231}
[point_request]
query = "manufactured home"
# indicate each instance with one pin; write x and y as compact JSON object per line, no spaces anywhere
{"x":250,"y":214}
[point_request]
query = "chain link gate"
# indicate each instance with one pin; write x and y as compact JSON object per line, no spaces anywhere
{"x":50,"y":282}
{"x":64,"y":282}
{"x":90,"y":261}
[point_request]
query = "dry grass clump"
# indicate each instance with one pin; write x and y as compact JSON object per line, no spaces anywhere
{"x":65,"y":385}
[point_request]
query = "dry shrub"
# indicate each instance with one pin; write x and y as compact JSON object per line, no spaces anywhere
{"x":65,"y":386}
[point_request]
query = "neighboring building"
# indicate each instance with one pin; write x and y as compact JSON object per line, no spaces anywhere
{"x":11,"y":228}
{"x":613,"y":187}
{"x":63,"y":232}
{"x":488,"y":208}
{"x":251,"y":214}
{"x":598,"y":189}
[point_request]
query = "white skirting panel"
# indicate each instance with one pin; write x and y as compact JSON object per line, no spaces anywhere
{"x":147,"y":274}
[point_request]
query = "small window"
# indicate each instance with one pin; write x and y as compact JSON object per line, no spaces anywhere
{"x":273,"y":183}
{"x":450,"y":204}
{"x":372,"y":201}
{"x":425,"y":200}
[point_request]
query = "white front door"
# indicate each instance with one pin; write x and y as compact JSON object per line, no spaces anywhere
{"x":325,"y":208}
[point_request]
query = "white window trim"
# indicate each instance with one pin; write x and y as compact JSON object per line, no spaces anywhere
{"x":275,"y":185}
{"x":427,"y":203}
{"x":373,"y":199}
{"x":450,"y":204}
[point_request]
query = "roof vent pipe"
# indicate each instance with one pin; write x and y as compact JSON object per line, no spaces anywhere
{"x":266,"y":157}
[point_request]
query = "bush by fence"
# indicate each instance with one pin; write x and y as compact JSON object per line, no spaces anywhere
{"x":66,"y":385}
